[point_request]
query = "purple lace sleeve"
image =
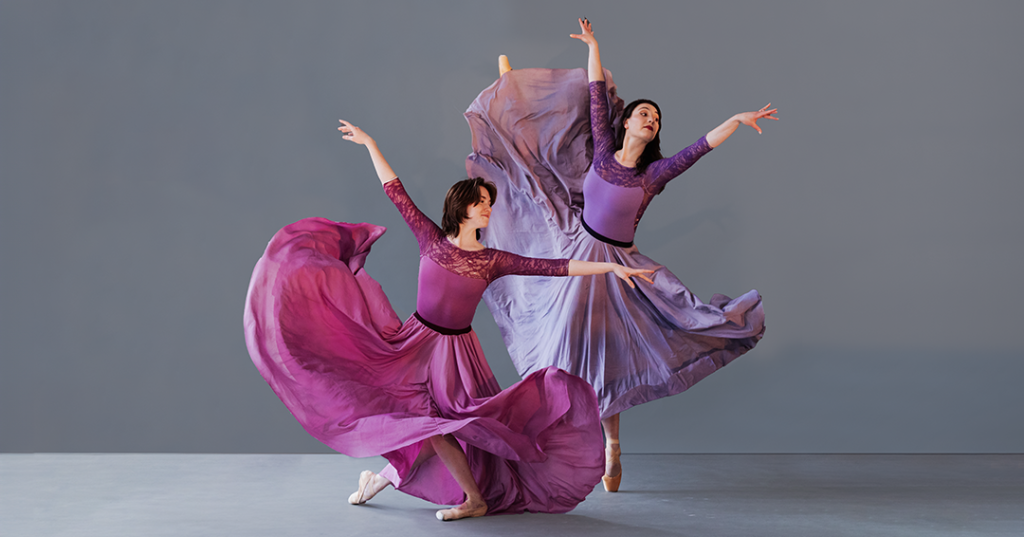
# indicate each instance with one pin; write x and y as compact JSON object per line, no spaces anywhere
{"x":425,"y":230}
{"x":505,"y":263}
{"x":600,"y":128}
{"x":662,"y":171}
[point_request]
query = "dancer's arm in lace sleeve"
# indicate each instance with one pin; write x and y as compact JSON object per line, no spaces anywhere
{"x":506,"y":263}
{"x":600,"y":128}
{"x":664,"y":170}
{"x":422,"y":227}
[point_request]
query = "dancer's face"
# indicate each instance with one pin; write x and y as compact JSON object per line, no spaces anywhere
{"x":644,"y":122}
{"x":479,"y":213}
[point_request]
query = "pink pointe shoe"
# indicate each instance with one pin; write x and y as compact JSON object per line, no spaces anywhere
{"x":364,"y":492}
{"x":462,"y":511}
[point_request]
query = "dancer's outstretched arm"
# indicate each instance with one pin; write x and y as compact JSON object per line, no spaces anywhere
{"x":355,"y":134}
{"x":586,"y":268}
{"x":594,"y":70}
{"x":725,"y":130}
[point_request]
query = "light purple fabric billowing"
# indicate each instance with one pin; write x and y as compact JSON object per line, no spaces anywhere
{"x":324,"y":336}
{"x":531,"y":137}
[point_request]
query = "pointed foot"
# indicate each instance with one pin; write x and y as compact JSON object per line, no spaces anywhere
{"x":612,"y":468}
{"x":366,"y":489}
{"x":503,"y":65}
{"x":466,"y":510}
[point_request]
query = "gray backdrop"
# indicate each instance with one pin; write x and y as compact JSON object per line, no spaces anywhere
{"x":149,"y":150}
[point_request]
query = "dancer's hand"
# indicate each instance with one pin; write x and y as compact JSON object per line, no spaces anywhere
{"x":586,"y":268}
{"x":722,"y":132}
{"x":750,"y":118}
{"x":354,"y":134}
{"x":586,"y":33}
{"x":380,"y":165}
{"x":625,"y":273}
{"x":594,"y":70}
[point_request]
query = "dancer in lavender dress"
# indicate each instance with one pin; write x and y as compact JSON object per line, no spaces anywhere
{"x":563,"y":197}
{"x":324,"y":336}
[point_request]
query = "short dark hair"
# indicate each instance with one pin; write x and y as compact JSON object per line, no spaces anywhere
{"x":456,"y":203}
{"x":653,"y":150}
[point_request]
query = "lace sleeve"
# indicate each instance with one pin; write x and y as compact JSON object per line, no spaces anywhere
{"x":600,"y":126}
{"x":425,"y":230}
{"x":505,"y":263}
{"x":662,"y":171}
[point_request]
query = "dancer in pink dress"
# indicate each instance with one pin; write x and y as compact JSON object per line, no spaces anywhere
{"x":575,"y":173}
{"x":324,"y":336}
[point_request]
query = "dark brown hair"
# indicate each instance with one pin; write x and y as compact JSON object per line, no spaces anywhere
{"x":653,"y":150}
{"x":456,"y":203}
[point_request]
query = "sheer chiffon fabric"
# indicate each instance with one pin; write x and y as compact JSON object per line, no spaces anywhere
{"x":323,"y":334}
{"x":531,"y":136}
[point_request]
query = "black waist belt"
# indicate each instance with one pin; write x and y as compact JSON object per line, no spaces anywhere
{"x":602,"y":238}
{"x":440,"y":329}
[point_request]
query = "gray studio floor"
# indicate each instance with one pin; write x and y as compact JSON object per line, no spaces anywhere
{"x":698,"y":495}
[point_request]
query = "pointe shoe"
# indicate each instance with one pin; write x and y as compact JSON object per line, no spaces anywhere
{"x":503,"y":65}
{"x":359,"y":497}
{"x":611,"y":484}
{"x":456,"y":513}
{"x":611,"y":453}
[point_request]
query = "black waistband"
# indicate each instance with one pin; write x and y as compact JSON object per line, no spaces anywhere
{"x":602,"y":238}
{"x":440,"y":329}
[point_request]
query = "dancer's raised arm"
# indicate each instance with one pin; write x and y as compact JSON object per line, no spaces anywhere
{"x":594,"y":70}
{"x":355,"y":134}
{"x":725,"y":130}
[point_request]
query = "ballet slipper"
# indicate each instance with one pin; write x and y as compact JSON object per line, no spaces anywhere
{"x":364,"y":493}
{"x":503,"y":65}
{"x":612,"y":452}
{"x":463,"y":511}
{"x":611,"y":484}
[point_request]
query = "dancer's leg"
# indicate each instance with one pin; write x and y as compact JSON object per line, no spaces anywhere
{"x":448,"y":448}
{"x":612,"y":466}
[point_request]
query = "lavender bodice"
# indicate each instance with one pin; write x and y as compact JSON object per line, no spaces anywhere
{"x":452,"y":280}
{"x":615,"y":196}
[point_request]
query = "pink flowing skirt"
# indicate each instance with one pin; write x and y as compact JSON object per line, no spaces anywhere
{"x":325,"y":337}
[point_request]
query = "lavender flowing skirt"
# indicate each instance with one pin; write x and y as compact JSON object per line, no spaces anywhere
{"x":531,"y":137}
{"x":324,"y":336}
